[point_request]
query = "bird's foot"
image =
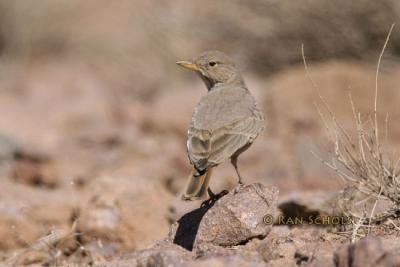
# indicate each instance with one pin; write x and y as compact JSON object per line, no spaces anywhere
{"x":238,"y":187}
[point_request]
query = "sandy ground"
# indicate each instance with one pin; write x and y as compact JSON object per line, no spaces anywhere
{"x":107,"y":184}
{"x":94,"y":114}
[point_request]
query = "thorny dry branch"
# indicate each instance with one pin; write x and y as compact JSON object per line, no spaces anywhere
{"x":360,"y":160}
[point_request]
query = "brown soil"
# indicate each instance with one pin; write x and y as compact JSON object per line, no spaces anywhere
{"x":94,"y":116}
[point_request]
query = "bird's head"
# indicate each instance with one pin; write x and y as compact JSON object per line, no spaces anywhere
{"x":214,"y":68}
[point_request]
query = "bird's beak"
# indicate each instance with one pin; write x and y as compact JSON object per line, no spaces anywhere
{"x":188,"y":65}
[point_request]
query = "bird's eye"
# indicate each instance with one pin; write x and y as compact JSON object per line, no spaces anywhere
{"x":212,"y":63}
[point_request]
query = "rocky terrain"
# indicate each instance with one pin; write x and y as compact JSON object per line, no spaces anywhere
{"x":93,"y":124}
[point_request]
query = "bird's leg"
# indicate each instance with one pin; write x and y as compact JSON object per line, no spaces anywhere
{"x":234,"y":163}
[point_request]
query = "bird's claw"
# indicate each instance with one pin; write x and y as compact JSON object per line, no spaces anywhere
{"x":240,"y":185}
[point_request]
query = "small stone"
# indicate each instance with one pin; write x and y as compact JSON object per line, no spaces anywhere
{"x":366,"y":252}
{"x":8,"y":147}
{"x":162,"y":256}
{"x":128,"y":212}
{"x":35,"y":173}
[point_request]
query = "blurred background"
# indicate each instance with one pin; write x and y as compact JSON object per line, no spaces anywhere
{"x":94,"y":111}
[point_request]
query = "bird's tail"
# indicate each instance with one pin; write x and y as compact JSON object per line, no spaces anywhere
{"x":197,"y":185}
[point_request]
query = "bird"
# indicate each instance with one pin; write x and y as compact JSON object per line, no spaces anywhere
{"x":224,"y":123}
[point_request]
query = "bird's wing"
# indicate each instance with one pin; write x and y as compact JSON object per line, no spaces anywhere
{"x":208,"y":148}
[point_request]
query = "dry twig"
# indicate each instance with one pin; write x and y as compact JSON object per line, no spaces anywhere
{"x":360,"y":160}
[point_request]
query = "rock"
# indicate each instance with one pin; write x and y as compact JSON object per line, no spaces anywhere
{"x":32,"y":153}
{"x":248,"y":253}
{"x":28,"y":214}
{"x":33,"y":166}
{"x":234,"y":219}
{"x":58,"y":242}
{"x":36,"y":173}
{"x":295,"y":246}
{"x":129,"y":212}
{"x":8,"y":147}
{"x":165,"y":255}
{"x":168,"y":254}
{"x":30,"y":258}
{"x":366,"y":252}
{"x":98,"y":251}
{"x":278,"y":248}
{"x":232,"y":260}
{"x":352,"y":201}
{"x":25,"y":163}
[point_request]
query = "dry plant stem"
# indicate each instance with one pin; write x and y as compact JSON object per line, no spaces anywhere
{"x":361,"y":160}
{"x":376,"y":82}
{"x":394,"y":225}
{"x":372,"y":213}
{"x":355,"y":229}
{"x":46,"y":243}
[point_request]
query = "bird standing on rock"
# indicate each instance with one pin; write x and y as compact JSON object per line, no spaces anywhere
{"x":224,"y":123}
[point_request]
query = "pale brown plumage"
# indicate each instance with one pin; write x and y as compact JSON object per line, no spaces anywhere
{"x":224,"y":123}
